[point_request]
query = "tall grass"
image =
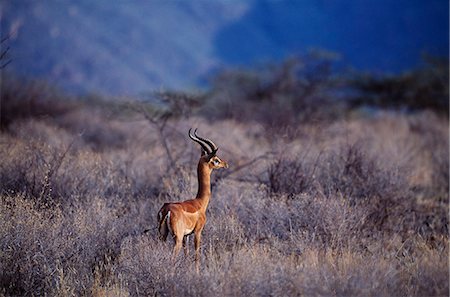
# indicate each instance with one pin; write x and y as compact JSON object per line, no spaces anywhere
{"x":351,"y":206}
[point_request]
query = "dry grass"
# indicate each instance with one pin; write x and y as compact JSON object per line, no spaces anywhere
{"x":356,"y":207}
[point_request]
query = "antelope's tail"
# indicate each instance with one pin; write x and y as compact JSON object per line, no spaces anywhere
{"x":163,"y":223}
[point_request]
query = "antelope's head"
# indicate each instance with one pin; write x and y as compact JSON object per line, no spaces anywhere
{"x":209,"y":151}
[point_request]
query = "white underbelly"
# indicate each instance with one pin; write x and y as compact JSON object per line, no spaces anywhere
{"x":188,"y":231}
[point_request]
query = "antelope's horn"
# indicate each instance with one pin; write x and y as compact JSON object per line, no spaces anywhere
{"x":199,"y":141}
{"x":211,"y":144}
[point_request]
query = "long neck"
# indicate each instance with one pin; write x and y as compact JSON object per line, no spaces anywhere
{"x":204,"y":183}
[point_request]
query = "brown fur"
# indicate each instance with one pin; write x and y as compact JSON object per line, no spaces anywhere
{"x":184,"y":218}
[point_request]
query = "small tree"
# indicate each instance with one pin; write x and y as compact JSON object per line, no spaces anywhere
{"x":162,"y":107}
{"x":423,"y":88}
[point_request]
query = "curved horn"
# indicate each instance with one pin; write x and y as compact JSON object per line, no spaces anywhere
{"x":211,"y":144}
{"x":199,"y":141}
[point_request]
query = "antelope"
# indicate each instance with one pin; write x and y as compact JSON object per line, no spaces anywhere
{"x":181,"y":219}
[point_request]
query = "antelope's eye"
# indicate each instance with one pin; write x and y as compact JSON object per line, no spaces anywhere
{"x":216,"y":162}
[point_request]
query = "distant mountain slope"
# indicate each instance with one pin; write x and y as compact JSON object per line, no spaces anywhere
{"x":379,"y":35}
{"x":115,"y":47}
{"x":127,"y":47}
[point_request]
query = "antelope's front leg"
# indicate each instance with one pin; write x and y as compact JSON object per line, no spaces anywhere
{"x":197,"y":240}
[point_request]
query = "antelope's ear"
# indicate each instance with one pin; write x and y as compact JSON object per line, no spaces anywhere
{"x":203,"y":152}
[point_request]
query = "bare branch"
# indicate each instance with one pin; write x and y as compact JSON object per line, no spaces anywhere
{"x":53,"y":169}
{"x":159,"y":122}
{"x":227,"y":173}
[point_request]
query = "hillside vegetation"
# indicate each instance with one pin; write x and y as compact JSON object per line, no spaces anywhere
{"x":321,"y":198}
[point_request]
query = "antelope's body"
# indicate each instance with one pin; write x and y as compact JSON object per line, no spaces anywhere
{"x":180,"y":219}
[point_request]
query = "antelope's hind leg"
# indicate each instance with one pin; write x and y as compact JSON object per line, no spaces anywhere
{"x":178,"y":244}
{"x":186,"y":245}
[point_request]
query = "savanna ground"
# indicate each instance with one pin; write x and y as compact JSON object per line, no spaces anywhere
{"x":321,"y":198}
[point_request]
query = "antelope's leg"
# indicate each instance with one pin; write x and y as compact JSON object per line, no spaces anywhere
{"x":197,"y":239}
{"x":186,"y":245}
{"x":198,"y":236}
{"x":178,"y":243}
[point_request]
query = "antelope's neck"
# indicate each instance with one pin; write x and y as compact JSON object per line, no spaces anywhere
{"x":204,"y":184}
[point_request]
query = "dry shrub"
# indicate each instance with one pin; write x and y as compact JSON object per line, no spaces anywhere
{"x":99,"y":133}
{"x":27,"y":259}
{"x":288,"y":177}
{"x":255,"y":269}
{"x":25,"y":169}
{"x":422,"y":88}
{"x":55,"y":250}
{"x":33,"y":99}
{"x":434,"y":141}
{"x":348,"y":177}
{"x":278,"y":96}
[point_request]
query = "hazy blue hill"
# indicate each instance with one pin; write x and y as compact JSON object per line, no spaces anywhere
{"x":378,"y":35}
{"x":112,"y":46}
{"x":126,"y":47}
